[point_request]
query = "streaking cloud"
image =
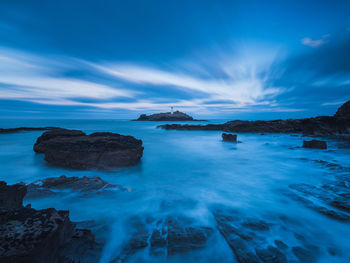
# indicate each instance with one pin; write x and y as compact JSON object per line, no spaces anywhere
{"x":32,"y":78}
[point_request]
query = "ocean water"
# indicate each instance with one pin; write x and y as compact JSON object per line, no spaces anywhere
{"x":188,"y":173}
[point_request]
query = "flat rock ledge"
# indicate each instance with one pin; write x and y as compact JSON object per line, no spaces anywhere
{"x":29,"y":235}
{"x":100,"y":150}
{"x":84,"y":186}
{"x":25,"y":129}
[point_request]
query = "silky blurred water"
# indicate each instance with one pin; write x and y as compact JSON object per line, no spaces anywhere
{"x":190,"y":170}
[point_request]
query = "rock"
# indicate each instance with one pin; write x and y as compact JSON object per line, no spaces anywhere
{"x":182,"y":237}
{"x":11,"y":196}
{"x":271,"y":255}
{"x":280,"y":244}
{"x":229,"y":137}
{"x":44,"y":187}
{"x":254,"y":240}
{"x":309,"y":254}
{"x":322,"y":125}
{"x":343,"y":111}
{"x":100,"y":150}
{"x":40,"y":146}
{"x":82,"y":247}
{"x":165,"y":237}
{"x":24,"y":129}
{"x":330,"y":199}
{"x":166,"y":116}
{"x":315,"y":144}
{"x":29,"y":235}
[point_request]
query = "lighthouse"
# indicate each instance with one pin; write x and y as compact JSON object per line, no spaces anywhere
{"x":172,"y":110}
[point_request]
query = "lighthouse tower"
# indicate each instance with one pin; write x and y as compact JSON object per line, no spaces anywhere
{"x":172,"y":110}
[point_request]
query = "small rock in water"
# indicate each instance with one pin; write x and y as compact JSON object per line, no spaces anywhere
{"x":227,"y":137}
{"x":315,"y":144}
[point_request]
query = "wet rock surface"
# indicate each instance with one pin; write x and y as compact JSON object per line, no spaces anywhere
{"x":25,"y":129}
{"x":84,"y":185}
{"x":226,"y":137}
{"x":331,"y":198}
{"x":166,"y":116}
{"x":166,"y":237}
{"x":29,"y":235}
{"x":255,"y":240}
{"x":100,"y":150}
{"x":315,"y":144}
{"x":322,"y":125}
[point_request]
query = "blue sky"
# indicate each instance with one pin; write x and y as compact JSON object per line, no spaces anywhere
{"x":213,"y":59}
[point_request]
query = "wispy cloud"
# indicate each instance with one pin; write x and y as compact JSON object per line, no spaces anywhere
{"x":312,"y":43}
{"x":315,"y":43}
{"x":236,"y":83}
{"x":27,"y":77}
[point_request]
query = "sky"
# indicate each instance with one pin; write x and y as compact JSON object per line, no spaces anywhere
{"x":212,"y":59}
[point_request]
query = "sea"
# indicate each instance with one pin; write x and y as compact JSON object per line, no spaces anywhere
{"x":190,"y":173}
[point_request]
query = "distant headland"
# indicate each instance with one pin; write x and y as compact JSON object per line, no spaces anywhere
{"x":337,"y":124}
{"x":166,"y":116}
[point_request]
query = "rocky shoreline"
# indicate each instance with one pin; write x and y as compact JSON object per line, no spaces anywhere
{"x":39,"y":236}
{"x":339,"y":124}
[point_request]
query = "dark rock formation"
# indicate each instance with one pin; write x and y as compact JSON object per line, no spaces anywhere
{"x":253,"y":240}
{"x":85,"y":185}
{"x":322,"y":125}
{"x":24,"y":129}
{"x":166,"y":116}
{"x":28,"y":235}
{"x":165,"y":237}
{"x":315,"y":144}
{"x":11,"y":196}
{"x":332,"y":198}
{"x":229,"y":137}
{"x":343,"y":111}
{"x":100,"y":150}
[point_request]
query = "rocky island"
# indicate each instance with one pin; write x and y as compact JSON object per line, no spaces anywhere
{"x":166,"y":116}
{"x":322,"y":125}
{"x":99,"y":150}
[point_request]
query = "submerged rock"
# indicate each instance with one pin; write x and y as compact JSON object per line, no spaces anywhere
{"x":229,"y":137}
{"x":49,"y":186}
{"x":255,"y":240}
{"x":100,"y":150}
{"x":322,"y":125}
{"x":166,"y":116}
{"x":315,"y":144}
{"x":164,"y":237}
{"x":331,"y":199}
{"x":29,"y":235}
